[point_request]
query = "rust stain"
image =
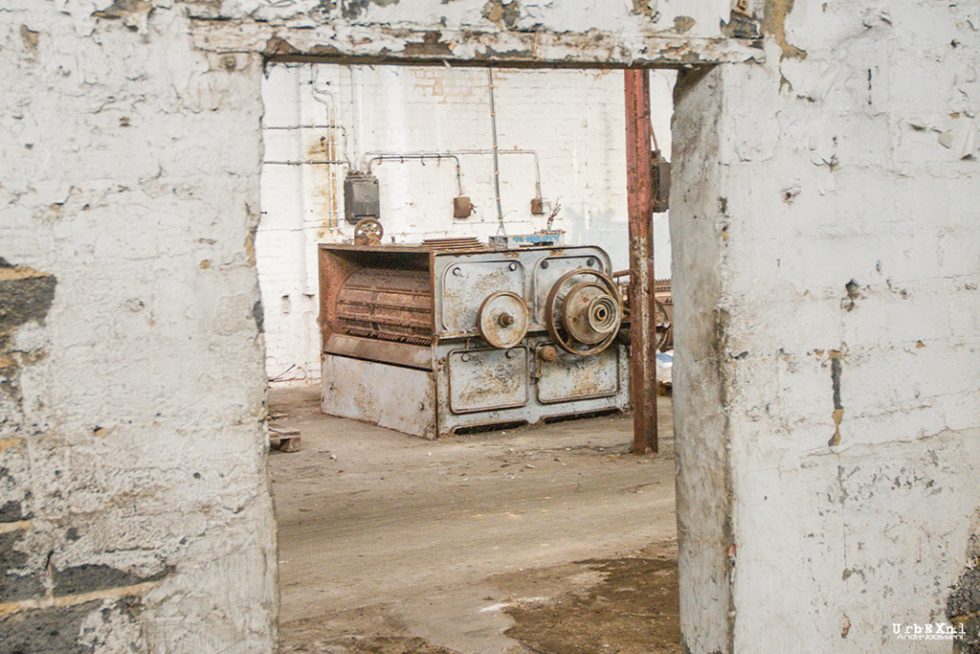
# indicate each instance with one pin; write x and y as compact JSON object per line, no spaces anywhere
{"x":250,"y":247}
{"x":325,"y":148}
{"x":388,"y":304}
{"x":333,"y":217}
{"x":29,"y":37}
{"x":774,"y":25}
{"x":643,"y":373}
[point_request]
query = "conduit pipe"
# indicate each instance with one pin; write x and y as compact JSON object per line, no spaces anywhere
{"x":370,"y":158}
{"x":456,"y":153}
{"x":341,"y":128}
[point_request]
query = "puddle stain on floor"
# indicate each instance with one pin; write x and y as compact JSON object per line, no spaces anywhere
{"x":633,"y":609}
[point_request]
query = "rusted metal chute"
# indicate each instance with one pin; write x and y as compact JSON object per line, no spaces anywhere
{"x":643,"y":370}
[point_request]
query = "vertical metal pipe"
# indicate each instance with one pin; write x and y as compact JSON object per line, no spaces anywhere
{"x":639,"y":183}
{"x":331,"y":170}
{"x":496,"y":157}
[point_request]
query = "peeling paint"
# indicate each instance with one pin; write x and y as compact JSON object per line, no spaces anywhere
{"x":503,"y":12}
{"x":646,"y":8}
{"x":431,"y":45}
{"x":499,"y":31}
{"x":354,"y":8}
{"x":741,"y":26}
{"x":683,"y":24}
{"x":134,"y":14}
{"x":25,"y":294}
{"x":774,"y":25}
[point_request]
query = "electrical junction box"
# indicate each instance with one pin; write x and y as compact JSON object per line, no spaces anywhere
{"x":362,"y":197}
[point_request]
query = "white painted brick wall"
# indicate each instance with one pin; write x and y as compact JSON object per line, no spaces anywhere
{"x":573,"y":119}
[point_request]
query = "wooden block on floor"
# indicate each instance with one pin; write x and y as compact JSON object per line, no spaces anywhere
{"x":284,"y":440}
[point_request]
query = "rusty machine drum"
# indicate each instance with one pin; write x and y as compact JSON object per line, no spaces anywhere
{"x":454,"y":336}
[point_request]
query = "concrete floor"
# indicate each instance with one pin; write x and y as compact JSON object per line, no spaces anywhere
{"x":545,"y":539}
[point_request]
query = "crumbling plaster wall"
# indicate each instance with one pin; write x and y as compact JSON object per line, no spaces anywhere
{"x":135,"y":513}
{"x":836,"y":193}
{"x":669,"y":32}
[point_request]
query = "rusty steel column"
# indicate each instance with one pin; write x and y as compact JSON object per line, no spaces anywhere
{"x":643,"y":337}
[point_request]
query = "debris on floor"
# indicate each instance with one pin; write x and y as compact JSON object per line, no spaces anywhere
{"x":284,"y":440}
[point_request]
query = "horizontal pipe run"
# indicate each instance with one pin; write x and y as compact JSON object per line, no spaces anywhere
{"x":420,"y":156}
{"x":448,"y":153}
{"x":295,"y":127}
{"x":341,"y":128}
{"x":308,"y":162}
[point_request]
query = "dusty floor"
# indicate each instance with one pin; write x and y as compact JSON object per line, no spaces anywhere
{"x":546,"y":539}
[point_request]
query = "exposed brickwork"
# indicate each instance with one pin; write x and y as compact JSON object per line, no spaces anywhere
{"x":18,"y":579}
{"x":45,"y":631}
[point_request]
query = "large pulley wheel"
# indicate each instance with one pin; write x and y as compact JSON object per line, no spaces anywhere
{"x":503,"y":319}
{"x":368,"y":231}
{"x":584,"y":312}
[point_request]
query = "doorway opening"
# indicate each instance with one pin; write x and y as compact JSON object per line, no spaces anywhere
{"x":549,"y":538}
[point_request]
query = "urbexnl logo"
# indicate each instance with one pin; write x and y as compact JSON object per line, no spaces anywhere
{"x":929,"y":631}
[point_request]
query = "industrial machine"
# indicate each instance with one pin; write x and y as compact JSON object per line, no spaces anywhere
{"x":453,"y":335}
